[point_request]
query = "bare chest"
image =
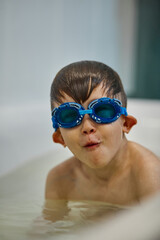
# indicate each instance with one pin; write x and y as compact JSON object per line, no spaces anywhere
{"x":118,"y":191}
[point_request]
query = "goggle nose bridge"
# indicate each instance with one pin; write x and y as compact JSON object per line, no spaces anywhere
{"x":83,"y":112}
{"x":89,"y":111}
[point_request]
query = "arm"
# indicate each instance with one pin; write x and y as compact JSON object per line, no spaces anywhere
{"x":60,"y":181}
{"x":55,"y":207}
{"x":55,"y":210}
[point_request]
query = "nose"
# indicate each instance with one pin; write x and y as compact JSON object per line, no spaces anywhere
{"x":88,"y":126}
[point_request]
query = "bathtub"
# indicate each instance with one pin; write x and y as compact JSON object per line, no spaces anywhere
{"x":27,"y":154}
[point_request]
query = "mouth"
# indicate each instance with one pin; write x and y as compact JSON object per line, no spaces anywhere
{"x":92,"y":145}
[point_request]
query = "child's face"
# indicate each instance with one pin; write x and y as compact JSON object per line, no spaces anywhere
{"x":92,"y":143}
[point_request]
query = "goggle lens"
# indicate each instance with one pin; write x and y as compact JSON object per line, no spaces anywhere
{"x":105,"y":111}
{"x":68,"y":115}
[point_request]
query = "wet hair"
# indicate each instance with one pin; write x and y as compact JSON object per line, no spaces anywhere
{"x":80,"y":78}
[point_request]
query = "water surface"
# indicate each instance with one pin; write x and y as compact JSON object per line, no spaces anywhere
{"x":30,"y":219}
{"x":24,"y":214}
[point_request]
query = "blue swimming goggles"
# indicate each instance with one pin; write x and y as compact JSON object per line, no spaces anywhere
{"x":102,"y":110}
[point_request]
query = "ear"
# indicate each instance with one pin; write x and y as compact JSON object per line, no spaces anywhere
{"x":129,"y":122}
{"x":57,"y":137}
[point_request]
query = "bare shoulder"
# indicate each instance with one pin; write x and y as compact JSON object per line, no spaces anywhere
{"x":143,"y":153}
{"x":146,"y":169}
{"x":60,"y":179}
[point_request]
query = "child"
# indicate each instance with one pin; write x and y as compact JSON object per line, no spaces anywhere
{"x":89,"y":115}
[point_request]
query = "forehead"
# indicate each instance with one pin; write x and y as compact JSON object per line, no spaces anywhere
{"x":97,"y":92}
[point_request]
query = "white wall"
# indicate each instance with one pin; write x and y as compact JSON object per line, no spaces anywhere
{"x":38,"y":37}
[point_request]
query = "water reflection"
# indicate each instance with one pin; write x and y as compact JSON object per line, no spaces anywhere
{"x":72,"y":215}
{"x":24,"y":219}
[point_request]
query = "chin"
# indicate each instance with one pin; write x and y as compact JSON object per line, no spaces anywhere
{"x":97,"y":163}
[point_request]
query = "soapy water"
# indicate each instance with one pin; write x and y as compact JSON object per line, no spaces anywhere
{"x":29,"y":219}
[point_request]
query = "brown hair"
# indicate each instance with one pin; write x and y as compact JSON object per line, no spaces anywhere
{"x":80,"y":78}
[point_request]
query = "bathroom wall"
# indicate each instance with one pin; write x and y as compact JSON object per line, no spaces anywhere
{"x":37,"y":39}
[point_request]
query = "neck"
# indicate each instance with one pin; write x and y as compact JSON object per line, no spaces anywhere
{"x":116,"y":165}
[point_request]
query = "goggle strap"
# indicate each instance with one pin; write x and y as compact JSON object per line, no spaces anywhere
{"x":55,"y":124}
{"x":124,"y":111}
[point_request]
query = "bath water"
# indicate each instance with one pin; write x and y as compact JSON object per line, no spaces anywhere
{"x":29,"y":219}
{"x":24,"y":214}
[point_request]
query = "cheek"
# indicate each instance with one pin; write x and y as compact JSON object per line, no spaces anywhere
{"x":113,"y":133}
{"x":71,"y":143}
{"x":70,"y":137}
{"x":117,"y":131}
